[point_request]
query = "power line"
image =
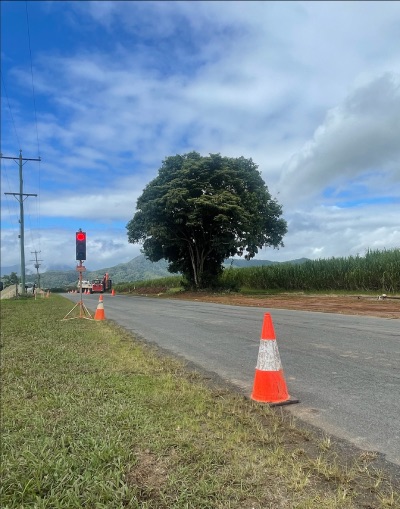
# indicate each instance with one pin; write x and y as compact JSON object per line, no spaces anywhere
{"x":21,"y":196}
{"x":36,"y":122}
{"x":33,"y":86}
{"x":9,"y":107}
{"x":29,"y":221}
{"x":10,"y":212}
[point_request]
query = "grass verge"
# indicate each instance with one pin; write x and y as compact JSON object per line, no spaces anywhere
{"x":92,"y":418}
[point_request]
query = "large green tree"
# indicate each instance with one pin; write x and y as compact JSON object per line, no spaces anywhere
{"x":199,"y":211}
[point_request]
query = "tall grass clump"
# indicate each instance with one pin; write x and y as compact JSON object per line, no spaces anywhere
{"x":376,"y":271}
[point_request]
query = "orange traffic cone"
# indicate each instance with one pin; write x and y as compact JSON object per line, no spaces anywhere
{"x":112,"y":292}
{"x":269,"y":382}
{"x":100,"y":315}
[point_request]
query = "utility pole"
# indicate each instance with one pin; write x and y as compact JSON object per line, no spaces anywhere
{"x":21,"y":196}
{"x":37,"y":265}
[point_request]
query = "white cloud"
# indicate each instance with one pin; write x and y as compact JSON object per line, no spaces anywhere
{"x":358,"y":138}
{"x":327,"y":231}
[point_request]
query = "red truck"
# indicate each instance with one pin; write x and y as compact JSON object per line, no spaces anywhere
{"x":101,"y":285}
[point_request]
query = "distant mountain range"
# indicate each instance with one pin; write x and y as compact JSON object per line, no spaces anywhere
{"x":138,"y":269}
{"x":6,"y":271}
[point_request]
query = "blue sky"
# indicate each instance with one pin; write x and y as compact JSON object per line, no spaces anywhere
{"x":309,"y":90}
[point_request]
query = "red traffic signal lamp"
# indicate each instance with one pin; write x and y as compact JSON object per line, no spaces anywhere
{"x":80,"y":238}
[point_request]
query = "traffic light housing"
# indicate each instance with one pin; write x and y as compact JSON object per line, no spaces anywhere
{"x":80,"y":245}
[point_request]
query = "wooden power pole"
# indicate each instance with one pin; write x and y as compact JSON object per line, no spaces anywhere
{"x":21,"y":196}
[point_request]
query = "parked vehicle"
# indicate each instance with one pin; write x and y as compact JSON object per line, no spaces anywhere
{"x":98,"y":285}
{"x":86,"y":285}
{"x":102,"y":285}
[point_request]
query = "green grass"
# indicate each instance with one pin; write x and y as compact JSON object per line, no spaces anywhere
{"x":92,"y":418}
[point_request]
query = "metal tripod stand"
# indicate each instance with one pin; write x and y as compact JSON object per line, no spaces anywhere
{"x":83,"y":311}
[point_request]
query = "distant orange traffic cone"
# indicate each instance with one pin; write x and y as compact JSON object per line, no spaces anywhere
{"x":100,"y":315}
{"x":269,"y":382}
{"x":112,"y":292}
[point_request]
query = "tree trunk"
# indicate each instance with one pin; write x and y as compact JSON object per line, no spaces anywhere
{"x":193,"y":260}
{"x":197,"y":259}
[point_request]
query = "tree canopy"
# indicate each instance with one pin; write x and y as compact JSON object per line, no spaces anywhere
{"x":12,"y":279}
{"x":200,"y":210}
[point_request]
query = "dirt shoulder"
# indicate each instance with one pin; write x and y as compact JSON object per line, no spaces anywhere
{"x":347,"y":305}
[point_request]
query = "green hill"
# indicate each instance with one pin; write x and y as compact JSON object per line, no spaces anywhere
{"x":138,"y":269}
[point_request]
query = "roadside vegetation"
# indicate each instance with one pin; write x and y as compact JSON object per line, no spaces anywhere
{"x":377,"y":271}
{"x":92,"y":418}
{"x":170,"y":284}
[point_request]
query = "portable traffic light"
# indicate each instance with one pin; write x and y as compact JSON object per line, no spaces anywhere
{"x":80,"y":245}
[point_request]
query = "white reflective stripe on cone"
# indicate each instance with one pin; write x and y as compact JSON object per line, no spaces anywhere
{"x":268,"y":356}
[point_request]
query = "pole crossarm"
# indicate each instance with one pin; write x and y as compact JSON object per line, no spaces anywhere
{"x":16,"y":159}
{"x":21,"y":194}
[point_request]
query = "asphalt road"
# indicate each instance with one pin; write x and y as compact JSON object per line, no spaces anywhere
{"x":344,"y":369}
